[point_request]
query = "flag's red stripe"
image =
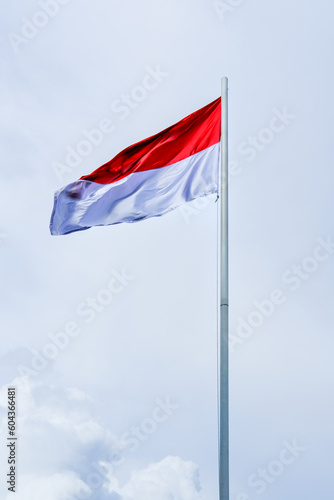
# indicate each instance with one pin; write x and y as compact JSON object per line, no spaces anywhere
{"x":193,"y":134}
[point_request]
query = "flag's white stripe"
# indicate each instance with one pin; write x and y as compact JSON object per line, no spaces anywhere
{"x":140,"y":195}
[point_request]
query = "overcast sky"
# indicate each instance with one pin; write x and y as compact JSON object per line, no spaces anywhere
{"x":116,"y":391}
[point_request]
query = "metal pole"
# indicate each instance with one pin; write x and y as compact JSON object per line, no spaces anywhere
{"x":223,"y":379}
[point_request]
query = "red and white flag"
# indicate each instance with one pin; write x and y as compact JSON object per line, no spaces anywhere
{"x":147,"y":179}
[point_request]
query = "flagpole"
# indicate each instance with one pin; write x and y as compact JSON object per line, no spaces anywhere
{"x":223,"y":376}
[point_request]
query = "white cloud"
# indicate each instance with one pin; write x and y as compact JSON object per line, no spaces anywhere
{"x":74,"y":393}
{"x":56,"y":431}
{"x":62,"y":486}
{"x":170,"y":479}
{"x":60,"y":440}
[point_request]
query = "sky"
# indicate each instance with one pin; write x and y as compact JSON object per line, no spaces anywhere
{"x":117,"y":393}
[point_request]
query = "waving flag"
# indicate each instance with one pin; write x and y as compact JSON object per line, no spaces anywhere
{"x":147,"y":179}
